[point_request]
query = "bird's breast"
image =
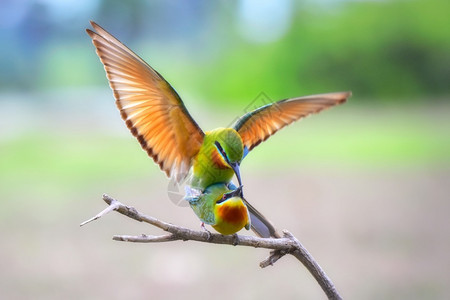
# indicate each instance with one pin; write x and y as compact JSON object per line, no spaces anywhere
{"x":234,"y":214}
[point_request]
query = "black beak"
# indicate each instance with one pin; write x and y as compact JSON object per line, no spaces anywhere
{"x":234,"y":166}
{"x":236,"y":193}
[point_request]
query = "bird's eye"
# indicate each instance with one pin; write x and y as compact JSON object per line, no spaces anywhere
{"x":224,"y":197}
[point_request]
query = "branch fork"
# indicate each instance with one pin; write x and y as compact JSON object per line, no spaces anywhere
{"x":287,"y":244}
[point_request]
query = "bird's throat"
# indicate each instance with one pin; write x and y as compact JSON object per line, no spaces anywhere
{"x":218,"y":160}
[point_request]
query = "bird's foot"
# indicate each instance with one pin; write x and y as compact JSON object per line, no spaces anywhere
{"x":207,"y":232}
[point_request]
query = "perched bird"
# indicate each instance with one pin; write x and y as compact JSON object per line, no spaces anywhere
{"x":220,"y":207}
{"x":156,"y":116}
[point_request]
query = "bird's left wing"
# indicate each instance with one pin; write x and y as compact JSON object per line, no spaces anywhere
{"x":256,"y":126}
{"x":150,"y":107}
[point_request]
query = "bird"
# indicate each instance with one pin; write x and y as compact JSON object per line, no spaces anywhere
{"x":157,"y":117}
{"x":155,"y":114}
{"x":219,"y":206}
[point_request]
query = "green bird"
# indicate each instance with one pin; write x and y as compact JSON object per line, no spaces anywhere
{"x":157,"y":117}
{"x":220,"y":207}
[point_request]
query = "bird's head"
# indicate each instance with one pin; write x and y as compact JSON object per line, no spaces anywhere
{"x":233,"y":164}
{"x":234,"y":193}
{"x":230,"y":147}
{"x":231,"y":143}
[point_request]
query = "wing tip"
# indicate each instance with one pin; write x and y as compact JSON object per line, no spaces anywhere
{"x":98,"y":31}
{"x":336,"y":95}
{"x":346,"y":95}
{"x":90,"y":33}
{"x":95,"y":26}
{"x":341,"y":97}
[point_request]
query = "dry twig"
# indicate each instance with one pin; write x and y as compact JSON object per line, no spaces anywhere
{"x":287,"y":244}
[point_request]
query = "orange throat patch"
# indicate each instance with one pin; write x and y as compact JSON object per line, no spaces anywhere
{"x":218,"y":160}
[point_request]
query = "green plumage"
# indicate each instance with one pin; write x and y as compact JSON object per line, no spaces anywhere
{"x":203,"y":203}
{"x":220,"y":207}
{"x":207,"y":164}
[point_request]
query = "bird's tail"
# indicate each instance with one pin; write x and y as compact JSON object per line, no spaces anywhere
{"x":260,"y":224}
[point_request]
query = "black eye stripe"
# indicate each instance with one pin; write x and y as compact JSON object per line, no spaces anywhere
{"x":222,"y":152}
{"x":221,"y":200}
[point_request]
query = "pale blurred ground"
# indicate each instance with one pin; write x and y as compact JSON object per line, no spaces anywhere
{"x":365,"y":189}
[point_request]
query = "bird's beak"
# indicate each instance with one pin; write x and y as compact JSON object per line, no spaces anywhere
{"x":235,"y":167}
{"x":236,"y":193}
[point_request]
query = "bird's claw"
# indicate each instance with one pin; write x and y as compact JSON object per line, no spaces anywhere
{"x":208,"y":233}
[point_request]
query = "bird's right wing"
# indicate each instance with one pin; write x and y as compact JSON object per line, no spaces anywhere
{"x":150,"y":107}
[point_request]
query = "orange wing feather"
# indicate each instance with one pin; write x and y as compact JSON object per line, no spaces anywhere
{"x":256,"y":126}
{"x":150,"y":107}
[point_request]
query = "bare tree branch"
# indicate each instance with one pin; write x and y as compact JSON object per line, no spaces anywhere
{"x":287,"y":244}
{"x":145,"y":238}
{"x":273,"y":257}
{"x":113,"y":205}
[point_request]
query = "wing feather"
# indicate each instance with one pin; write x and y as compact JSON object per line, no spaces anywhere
{"x":150,"y":107}
{"x":258,"y":125}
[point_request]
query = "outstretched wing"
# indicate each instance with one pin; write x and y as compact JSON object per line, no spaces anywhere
{"x":150,"y":107}
{"x":256,"y":126}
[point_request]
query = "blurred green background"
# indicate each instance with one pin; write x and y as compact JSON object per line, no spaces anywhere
{"x":364,"y":186}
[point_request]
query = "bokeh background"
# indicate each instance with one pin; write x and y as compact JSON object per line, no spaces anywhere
{"x":364,"y":186}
